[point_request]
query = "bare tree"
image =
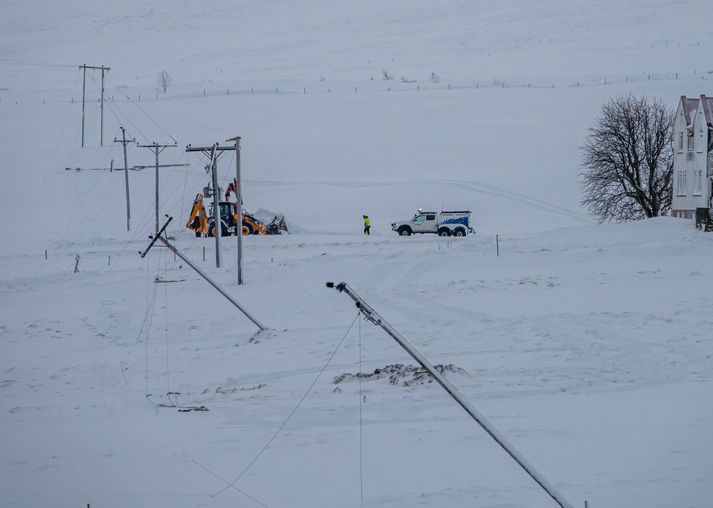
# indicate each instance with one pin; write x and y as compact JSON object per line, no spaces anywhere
{"x":627,"y":164}
{"x":163,"y":80}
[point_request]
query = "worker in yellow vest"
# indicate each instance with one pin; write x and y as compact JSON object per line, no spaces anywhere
{"x":367,"y":224}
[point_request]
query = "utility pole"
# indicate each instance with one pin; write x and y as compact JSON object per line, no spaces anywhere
{"x":239,"y":198}
{"x":216,"y":204}
{"x":156,"y":149}
{"x":371,"y":315}
{"x":101,"y":107}
{"x":84,"y":90}
{"x":213,"y":153}
{"x":124,"y":142}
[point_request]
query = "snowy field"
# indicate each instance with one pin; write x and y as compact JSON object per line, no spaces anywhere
{"x":587,"y":345}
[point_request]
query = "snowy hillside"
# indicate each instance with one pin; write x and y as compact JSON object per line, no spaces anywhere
{"x":587,"y":345}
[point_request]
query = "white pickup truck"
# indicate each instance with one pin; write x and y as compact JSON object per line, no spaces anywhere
{"x":456,"y":223}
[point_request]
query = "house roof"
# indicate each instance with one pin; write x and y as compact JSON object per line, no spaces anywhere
{"x":708,"y":109}
{"x":689,"y":106}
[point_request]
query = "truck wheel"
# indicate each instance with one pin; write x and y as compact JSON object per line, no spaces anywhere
{"x":459,"y":232}
{"x":444,"y":232}
{"x":404,"y":231}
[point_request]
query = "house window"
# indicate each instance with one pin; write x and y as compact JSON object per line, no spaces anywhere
{"x":681,"y":183}
{"x":680,"y":141}
{"x":698,"y":182}
{"x":690,"y":142}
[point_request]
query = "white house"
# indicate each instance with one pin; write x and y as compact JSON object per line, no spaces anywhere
{"x":692,"y":156}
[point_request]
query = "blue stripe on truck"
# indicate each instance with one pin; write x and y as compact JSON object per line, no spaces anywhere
{"x":457,"y":220}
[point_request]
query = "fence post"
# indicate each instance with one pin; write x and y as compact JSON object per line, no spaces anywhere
{"x":204,"y":253}
{"x":497,"y":245}
{"x":45,"y":254}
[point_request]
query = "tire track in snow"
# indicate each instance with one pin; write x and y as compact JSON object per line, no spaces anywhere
{"x":473,"y":186}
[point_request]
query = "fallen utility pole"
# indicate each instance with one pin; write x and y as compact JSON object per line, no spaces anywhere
{"x":156,"y":149}
{"x":125,"y":142}
{"x":101,"y":107}
{"x":159,"y":237}
{"x":371,"y":315}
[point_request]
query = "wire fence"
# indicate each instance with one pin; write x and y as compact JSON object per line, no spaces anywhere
{"x":383,"y":86}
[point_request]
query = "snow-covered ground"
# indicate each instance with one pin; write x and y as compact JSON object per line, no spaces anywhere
{"x":587,"y":345}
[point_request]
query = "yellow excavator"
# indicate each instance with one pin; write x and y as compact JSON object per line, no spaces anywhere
{"x":204,"y":225}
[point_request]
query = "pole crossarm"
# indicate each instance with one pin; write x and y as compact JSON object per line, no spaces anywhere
{"x":95,"y":67}
{"x":207,"y":149}
{"x":371,"y":315}
{"x":161,"y":238}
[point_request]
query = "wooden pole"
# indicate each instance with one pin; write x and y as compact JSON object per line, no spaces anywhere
{"x":239,"y":204}
{"x":124,"y":142}
{"x":497,"y":245}
{"x":84,"y":90}
{"x":101,"y":109}
{"x":216,"y":204}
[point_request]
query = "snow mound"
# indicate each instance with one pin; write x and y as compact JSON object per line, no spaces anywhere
{"x":266,"y":216}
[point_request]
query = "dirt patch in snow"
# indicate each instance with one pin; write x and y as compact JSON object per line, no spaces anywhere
{"x":400,"y":375}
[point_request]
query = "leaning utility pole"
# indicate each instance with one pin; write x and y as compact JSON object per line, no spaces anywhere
{"x":371,"y":315}
{"x":159,"y":236}
{"x":239,"y":200}
{"x":101,"y":107}
{"x":156,"y":149}
{"x":124,"y":142}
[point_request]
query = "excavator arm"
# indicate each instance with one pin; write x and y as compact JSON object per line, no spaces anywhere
{"x":198,"y":220}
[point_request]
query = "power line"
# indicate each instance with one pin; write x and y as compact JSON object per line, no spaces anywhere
{"x":142,"y":110}
{"x":292,"y":413}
